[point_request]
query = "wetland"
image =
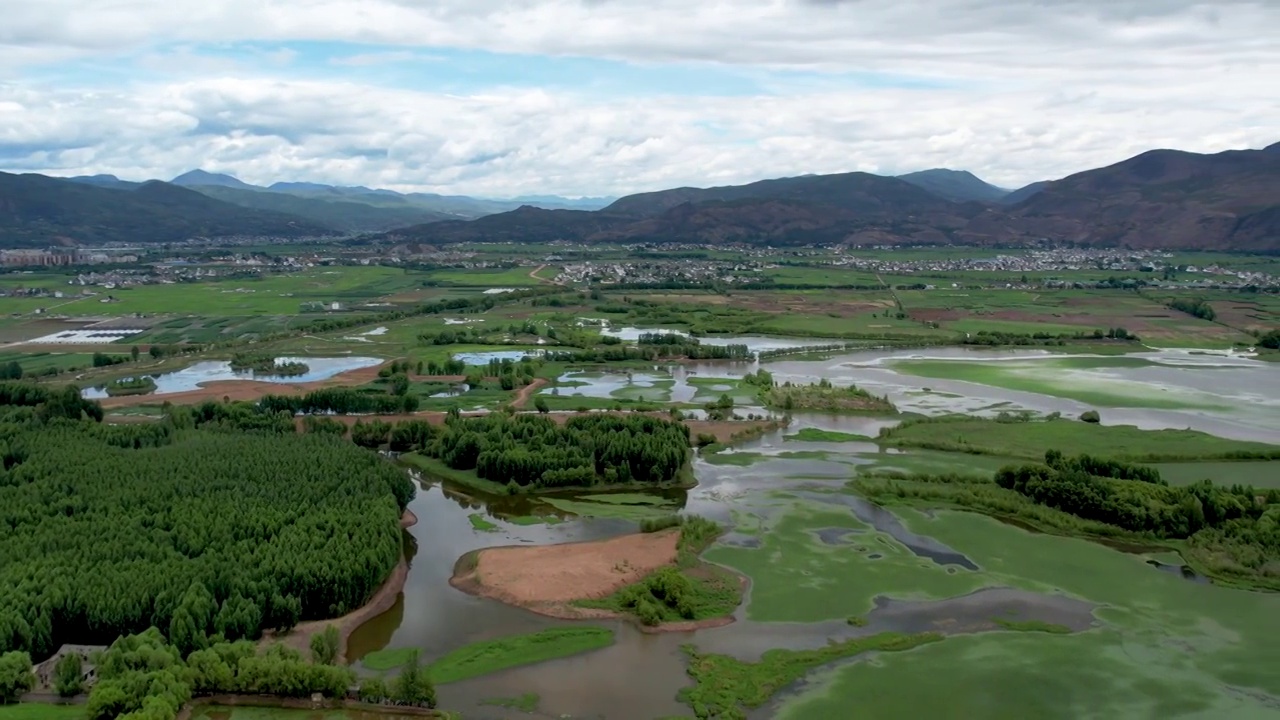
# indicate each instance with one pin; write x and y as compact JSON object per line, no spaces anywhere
{"x":943,"y":597}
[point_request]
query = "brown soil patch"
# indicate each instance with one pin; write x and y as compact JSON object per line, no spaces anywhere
{"x":300,"y":637}
{"x":547,"y":578}
{"x":936,"y":314}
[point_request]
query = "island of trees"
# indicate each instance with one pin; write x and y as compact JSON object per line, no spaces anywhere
{"x":261,"y":364}
{"x":528,"y":452}
{"x":823,"y":396}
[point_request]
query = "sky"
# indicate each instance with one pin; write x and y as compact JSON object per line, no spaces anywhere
{"x":500,"y":98}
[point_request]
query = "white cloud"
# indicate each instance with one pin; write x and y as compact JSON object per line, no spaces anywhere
{"x":1025,"y":90}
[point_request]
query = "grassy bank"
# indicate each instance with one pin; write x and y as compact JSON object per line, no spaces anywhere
{"x":689,"y":591}
{"x":490,"y":656}
{"x":1030,"y":440}
{"x":726,"y":687}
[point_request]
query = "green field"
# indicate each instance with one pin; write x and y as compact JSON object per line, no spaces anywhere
{"x":41,"y":711}
{"x":1030,"y":440}
{"x":482,"y":658}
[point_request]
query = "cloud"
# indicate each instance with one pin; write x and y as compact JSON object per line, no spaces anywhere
{"x":1015,"y":92}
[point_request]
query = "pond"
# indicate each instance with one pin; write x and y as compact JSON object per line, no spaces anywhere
{"x":484,"y":358}
{"x":194,"y":376}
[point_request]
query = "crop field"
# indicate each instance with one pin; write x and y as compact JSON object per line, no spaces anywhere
{"x":1023,"y":311}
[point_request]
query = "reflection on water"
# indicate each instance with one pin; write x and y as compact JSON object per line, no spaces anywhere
{"x":192,"y":377}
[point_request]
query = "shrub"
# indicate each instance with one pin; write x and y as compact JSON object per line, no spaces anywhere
{"x":1091,"y":416}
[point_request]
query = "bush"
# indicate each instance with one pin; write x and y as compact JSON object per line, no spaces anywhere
{"x":16,"y":678}
{"x":705,"y":439}
{"x":1090,"y":416}
{"x":650,"y":525}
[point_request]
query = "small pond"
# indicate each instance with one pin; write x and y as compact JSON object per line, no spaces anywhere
{"x":194,"y":376}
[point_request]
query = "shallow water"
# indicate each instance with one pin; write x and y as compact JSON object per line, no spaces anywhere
{"x":1229,"y":396}
{"x":193,"y":376}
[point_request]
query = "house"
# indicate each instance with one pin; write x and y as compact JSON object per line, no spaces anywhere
{"x":89,"y":674}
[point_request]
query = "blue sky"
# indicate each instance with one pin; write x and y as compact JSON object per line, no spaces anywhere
{"x":596,"y":97}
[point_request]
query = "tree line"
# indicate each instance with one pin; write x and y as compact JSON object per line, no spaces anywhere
{"x":1237,"y":526}
{"x":107,"y":528}
{"x":145,"y":677}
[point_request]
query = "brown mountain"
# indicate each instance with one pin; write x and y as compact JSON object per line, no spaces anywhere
{"x":1162,"y":198}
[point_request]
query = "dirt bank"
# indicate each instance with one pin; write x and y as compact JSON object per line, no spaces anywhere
{"x":546,"y":579}
{"x":300,"y":637}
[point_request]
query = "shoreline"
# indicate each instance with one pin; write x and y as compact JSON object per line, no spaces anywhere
{"x":467,"y":569}
{"x":299,"y":638}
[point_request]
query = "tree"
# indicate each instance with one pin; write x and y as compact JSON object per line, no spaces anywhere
{"x":324,"y":646}
{"x":399,"y":384}
{"x":412,"y":687}
{"x":134,"y":353}
{"x":155,"y":351}
{"x":16,"y":678}
{"x":68,"y":675}
{"x":11,"y":371}
{"x":541,"y":405}
{"x":1271,"y":340}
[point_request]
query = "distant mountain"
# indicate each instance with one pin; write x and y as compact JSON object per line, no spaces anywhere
{"x":555,"y":201}
{"x":110,"y":181}
{"x":845,"y":208}
{"x":37,"y":211}
{"x":955,"y":185}
{"x":200,"y":178}
{"x":1160,"y":199}
{"x":1022,"y":193}
{"x":863,"y":193}
{"x":343,"y":215}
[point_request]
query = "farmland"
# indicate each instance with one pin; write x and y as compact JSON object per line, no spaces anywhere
{"x":847,"y":597}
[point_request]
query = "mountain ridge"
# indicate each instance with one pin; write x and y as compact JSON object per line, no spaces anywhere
{"x":1157,"y":199}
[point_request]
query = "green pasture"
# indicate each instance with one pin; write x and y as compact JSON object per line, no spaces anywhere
{"x":1030,"y":440}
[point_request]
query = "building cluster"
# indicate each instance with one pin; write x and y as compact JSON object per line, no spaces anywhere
{"x":59,"y":257}
{"x":658,"y":271}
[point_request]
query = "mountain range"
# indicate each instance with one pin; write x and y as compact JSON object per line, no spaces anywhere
{"x":1161,"y":198}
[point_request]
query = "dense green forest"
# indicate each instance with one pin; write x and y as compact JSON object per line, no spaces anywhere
{"x":199,"y":528}
{"x":535,"y":452}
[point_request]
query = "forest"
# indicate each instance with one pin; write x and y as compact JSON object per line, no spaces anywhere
{"x":190,"y":524}
{"x":534,"y":452}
